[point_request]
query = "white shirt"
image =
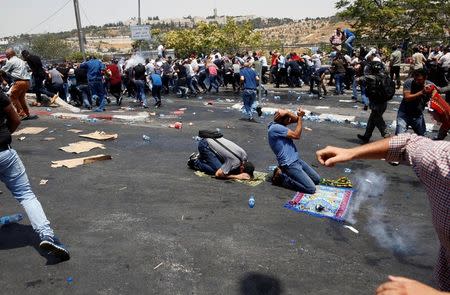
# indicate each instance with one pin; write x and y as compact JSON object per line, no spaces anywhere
{"x":263,"y":61}
{"x":17,"y":68}
{"x":444,"y":61}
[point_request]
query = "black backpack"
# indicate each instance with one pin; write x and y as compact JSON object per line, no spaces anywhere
{"x":209,"y":134}
{"x":379,"y":86}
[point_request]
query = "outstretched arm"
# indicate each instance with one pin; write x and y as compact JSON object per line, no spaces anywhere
{"x":331,"y":155}
{"x":404,"y":286}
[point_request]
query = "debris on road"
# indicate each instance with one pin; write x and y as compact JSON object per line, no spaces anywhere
{"x":43,"y":182}
{"x":352,"y":229}
{"x":21,"y":138}
{"x":48,"y":138}
{"x":158,"y":265}
{"x":75,"y":130}
{"x":72,"y":163}
{"x":307,"y":128}
{"x":30,"y":130}
{"x":81,"y":147}
{"x":100,"y":135}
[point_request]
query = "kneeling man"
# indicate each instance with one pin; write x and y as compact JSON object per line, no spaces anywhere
{"x":292,"y":172}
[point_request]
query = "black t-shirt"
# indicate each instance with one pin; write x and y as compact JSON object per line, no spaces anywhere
{"x":139,"y":72}
{"x":415,"y":107}
{"x":81,"y":76}
{"x":35,"y":64}
{"x":5,"y":135}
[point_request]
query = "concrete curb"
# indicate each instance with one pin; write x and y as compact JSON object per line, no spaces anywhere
{"x":140,"y":117}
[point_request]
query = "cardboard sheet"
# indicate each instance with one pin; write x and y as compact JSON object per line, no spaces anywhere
{"x":30,"y":130}
{"x":81,"y":147}
{"x":100,"y":135}
{"x":71,"y":163}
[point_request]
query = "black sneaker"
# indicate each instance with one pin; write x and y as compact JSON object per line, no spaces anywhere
{"x":365,"y":108}
{"x":259,"y":111}
{"x":53,"y":245}
{"x":363,"y":138}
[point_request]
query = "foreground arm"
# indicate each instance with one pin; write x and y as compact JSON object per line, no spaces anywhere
{"x":13,"y":120}
{"x":404,"y":286}
{"x":330,"y":155}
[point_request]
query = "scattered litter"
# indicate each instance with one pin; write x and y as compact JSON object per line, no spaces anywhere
{"x":346,"y":100}
{"x":348,"y":170}
{"x":352,"y":229}
{"x":355,"y":106}
{"x":211,"y":111}
{"x":178,"y":113}
{"x":299,"y":98}
{"x":229,"y":100}
{"x":69,"y":280}
{"x":200,"y":97}
{"x":92,"y":120}
{"x":276,"y":97}
{"x":68,"y":125}
{"x":322,"y":108}
{"x":30,"y":130}
{"x":51,"y":131}
{"x":193,"y":113}
{"x":21,"y":138}
{"x":368,"y":180}
{"x":182,"y":217}
{"x":81,"y":147}
{"x":67,"y":106}
{"x":75,"y":130}
{"x":123,"y":188}
{"x":190,"y":123}
{"x":210,"y":102}
{"x":177,"y":125}
{"x":71,"y":163}
{"x":182,"y":109}
{"x":118,"y":111}
{"x":43,"y":182}
{"x":145,"y":137}
{"x":48,"y":138}
{"x":48,"y":109}
{"x":395,"y":109}
{"x":307,"y":129}
{"x":100,"y":135}
{"x":272,"y":168}
{"x":152,"y":114}
{"x":158,"y":266}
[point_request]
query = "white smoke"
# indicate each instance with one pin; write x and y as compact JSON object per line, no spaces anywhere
{"x":134,"y":60}
{"x":368,"y":186}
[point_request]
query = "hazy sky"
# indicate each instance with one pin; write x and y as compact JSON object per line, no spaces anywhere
{"x":25,"y":16}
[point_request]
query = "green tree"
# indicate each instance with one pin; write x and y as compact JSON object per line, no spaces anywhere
{"x":397,"y":19}
{"x":49,"y":46}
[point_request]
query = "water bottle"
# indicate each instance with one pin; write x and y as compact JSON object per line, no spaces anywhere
{"x":11,"y":219}
{"x":145,"y":137}
{"x":251,"y":201}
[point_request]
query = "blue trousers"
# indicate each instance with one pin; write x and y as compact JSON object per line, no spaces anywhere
{"x":300,"y":177}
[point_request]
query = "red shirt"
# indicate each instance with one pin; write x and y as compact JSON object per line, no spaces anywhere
{"x":115,"y":77}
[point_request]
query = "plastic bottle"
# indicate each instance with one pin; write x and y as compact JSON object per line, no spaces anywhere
{"x":145,"y":137}
{"x":11,"y":219}
{"x":251,"y":201}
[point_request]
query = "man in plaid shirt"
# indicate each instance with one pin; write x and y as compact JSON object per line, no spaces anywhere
{"x":431,"y":163}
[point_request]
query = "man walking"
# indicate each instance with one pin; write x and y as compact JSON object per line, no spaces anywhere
{"x":17,"y":70}
{"x":95,"y":70}
{"x":394,"y":64}
{"x":249,"y":81}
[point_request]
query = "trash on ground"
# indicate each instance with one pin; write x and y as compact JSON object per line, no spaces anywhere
{"x":346,"y":100}
{"x":158,"y":265}
{"x":67,"y":106}
{"x":348,"y":170}
{"x":71,"y":163}
{"x":75,"y":130}
{"x":69,"y":280}
{"x":43,"y":182}
{"x":11,"y":219}
{"x":123,"y":188}
{"x":81,"y":147}
{"x":145,"y":137}
{"x":30,"y":130}
{"x":182,"y":109}
{"x":322,"y":108}
{"x":21,"y":138}
{"x":307,"y":128}
{"x":48,"y":138}
{"x":352,"y":229}
{"x":176,"y":125}
{"x":100,"y":135}
{"x":178,"y":113}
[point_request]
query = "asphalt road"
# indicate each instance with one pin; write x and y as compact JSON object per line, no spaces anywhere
{"x":143,"y":223}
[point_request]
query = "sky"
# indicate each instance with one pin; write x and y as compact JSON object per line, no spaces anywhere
{"x":41,"y":16}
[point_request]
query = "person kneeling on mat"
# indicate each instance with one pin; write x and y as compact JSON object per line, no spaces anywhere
{"x":222,"y":158}
{"x":292,"y":172}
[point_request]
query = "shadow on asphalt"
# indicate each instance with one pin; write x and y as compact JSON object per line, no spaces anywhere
{"x":16,"y":235}
{"x":254,"y":283}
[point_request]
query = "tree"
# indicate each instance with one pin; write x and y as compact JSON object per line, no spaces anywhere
{"x":49,"y":46}
{"x":397,"y":19}
{"x":205,"y":37}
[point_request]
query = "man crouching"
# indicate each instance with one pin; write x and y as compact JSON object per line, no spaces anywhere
{"x":222,"y":158}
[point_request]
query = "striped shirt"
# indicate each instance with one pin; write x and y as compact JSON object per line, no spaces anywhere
{"x":430,"y":161}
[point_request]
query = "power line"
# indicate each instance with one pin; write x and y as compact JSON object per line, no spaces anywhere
{"x":85,"y":15}
{"x":45,"y":20}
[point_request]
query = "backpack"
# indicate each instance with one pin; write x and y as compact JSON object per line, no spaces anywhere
{"x":209,"y":134}
{"x":379,"y":86}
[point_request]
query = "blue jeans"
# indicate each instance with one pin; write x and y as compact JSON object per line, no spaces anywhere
{"x":213,"y":83}
{"x":208,"y":162}
{"x":97,"y":89}
{"x":13,"y":175}
{"x":85,"y":94}
{"x":339,"y":80}
{"x":140,"y":91}
{"x":417,"y":124}
{"x":300,"y":177}
{"x":364,"y":98}
{"x":349,"y":45}
{"x":249,"y":97}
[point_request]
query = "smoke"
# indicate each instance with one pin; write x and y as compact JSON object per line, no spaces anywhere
{"x":134,"y":60}
{"x":369,"y":186}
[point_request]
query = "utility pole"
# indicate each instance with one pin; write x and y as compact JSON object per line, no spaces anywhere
{"x":139,"y":12}
{"x":80,"y":32}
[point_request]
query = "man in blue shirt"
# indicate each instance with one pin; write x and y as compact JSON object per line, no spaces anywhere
{"x":292,"y":172}
{"x":95,"y":70}
{"x":156,"y":86}
{"x":249,"y":81}
{"x":348,"y":37}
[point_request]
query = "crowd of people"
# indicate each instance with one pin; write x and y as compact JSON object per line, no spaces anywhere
{"x":90,"y":84}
